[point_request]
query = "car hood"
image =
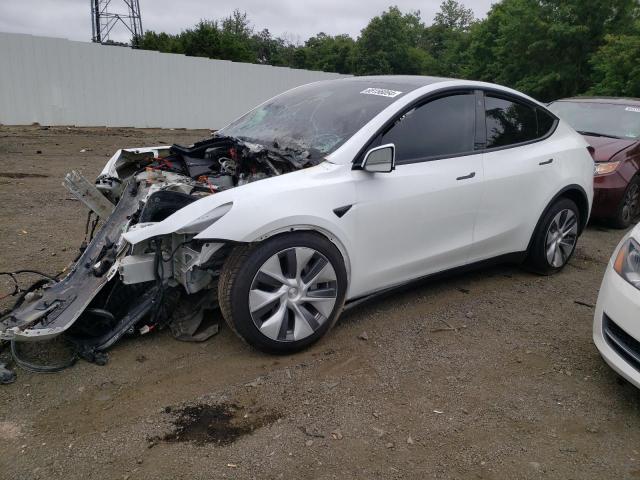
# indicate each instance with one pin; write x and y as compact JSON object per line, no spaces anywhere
{"x":606,"y":148}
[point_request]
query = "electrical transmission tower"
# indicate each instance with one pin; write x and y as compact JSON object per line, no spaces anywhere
{"x":106,"y":15}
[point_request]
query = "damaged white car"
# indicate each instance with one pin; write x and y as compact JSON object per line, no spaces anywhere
{"x":326,"y":194}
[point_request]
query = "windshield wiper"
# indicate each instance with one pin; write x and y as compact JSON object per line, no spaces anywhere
{"x":596,"y":134}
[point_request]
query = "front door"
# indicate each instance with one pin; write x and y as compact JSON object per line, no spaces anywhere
{"x":419,"y":218}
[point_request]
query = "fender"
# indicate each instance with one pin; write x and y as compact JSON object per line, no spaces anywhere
{"x":335,"y":239}
{"x":261,"y":209}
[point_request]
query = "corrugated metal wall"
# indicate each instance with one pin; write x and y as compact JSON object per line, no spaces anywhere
{"x":60,"y":82}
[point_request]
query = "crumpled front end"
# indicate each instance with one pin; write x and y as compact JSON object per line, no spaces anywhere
{"x":115,"y":287}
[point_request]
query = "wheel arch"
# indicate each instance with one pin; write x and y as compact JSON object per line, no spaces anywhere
{"x":573,"y":192}
{"x":323,"y":232}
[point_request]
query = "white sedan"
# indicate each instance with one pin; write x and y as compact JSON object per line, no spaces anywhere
{"x":616,"y":325}
{"x":321,"y":196}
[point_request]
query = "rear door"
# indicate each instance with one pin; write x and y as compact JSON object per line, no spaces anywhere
{"x":520,"y":171}
{"x":419,"y":218}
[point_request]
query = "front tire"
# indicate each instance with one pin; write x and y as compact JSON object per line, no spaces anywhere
{"x":555,"y":239}
{"x":285,"y":293}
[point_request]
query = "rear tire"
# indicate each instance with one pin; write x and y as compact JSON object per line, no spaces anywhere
{"x":285,"y":293}
{"x":629,"y":207}
{"x":555,"y":238}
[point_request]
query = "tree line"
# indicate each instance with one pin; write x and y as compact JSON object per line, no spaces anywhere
{"x":546,"y":48}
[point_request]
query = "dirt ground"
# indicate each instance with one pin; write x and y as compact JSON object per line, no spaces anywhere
{"x":488,"y":375}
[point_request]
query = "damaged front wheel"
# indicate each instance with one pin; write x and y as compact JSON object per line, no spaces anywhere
{"x":285,"y":293}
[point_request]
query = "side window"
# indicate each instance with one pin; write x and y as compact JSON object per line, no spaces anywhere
{"x":445,"y":126}
{"x":545,"y":122}
{"x":509,"y":122}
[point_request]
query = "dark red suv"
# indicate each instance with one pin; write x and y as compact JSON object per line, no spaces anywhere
{"x":612,"y":127}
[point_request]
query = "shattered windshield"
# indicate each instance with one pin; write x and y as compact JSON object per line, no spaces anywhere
{"x":316,"y":118}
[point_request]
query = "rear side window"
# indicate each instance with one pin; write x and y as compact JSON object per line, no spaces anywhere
{"x":441,"y":127}
{"x":509,"y":122}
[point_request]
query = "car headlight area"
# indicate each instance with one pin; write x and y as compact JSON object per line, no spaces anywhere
{"x":627,"y":263}
{"x":616,"y":326}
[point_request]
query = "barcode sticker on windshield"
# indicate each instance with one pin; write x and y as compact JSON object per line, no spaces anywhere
{"x":633,"y":109}
{"x":381,"y":92}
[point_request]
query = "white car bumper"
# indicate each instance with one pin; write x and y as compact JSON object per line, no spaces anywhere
{"x":616,"y":326}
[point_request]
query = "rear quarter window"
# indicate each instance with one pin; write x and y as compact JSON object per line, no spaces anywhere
{"x":546,"y":122}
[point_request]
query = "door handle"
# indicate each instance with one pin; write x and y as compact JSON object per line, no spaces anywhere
{"x":548,"y":162}
{"x":467,"y":177}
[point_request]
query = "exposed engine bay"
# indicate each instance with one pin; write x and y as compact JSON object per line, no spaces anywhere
{"x":114,"y":288}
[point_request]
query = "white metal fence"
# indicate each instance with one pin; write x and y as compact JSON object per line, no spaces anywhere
{"x":60,"y":82}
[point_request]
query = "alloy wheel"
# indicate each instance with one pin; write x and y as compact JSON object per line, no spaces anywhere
{"x":561,"y":238}
{"x":631,"y":205}
{"x":293,"y":294}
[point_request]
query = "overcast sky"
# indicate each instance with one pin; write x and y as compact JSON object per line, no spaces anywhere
{"x":297,"y":19}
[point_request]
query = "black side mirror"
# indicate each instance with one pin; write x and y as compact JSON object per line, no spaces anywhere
{"x":380,"y":159}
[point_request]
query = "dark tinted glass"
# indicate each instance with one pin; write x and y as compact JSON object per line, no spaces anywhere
{"x":545,"y":122}
{"x":445,"y":126}
{"x":509,"y":122}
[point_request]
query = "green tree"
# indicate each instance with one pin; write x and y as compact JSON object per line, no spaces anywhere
{"x":454,"y":16}
{"x":389,"y":44}
{"x":544,"y":47}
{"x":269,"y":50}
{"x":201,"y":41}
{"x":235,"y":38}
{"x":617,"y":66}
{"x":161,"y":42}
{"x":328,"y":53}
{"x":447,"y":40}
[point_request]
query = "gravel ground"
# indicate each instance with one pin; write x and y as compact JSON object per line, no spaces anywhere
{"x":488,"y":375}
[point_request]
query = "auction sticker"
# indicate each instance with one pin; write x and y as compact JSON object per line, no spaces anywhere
{"x":633,"y":109}
{"x":381,"y":92}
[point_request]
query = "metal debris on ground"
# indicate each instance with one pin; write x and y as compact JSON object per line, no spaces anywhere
{"x":6,"y":376}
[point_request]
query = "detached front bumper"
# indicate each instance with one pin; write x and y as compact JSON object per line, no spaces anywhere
{"x":616,"y":326}
{"x":62,"y":303}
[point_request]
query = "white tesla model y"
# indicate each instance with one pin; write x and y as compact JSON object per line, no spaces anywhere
{"x":323,"y":195}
